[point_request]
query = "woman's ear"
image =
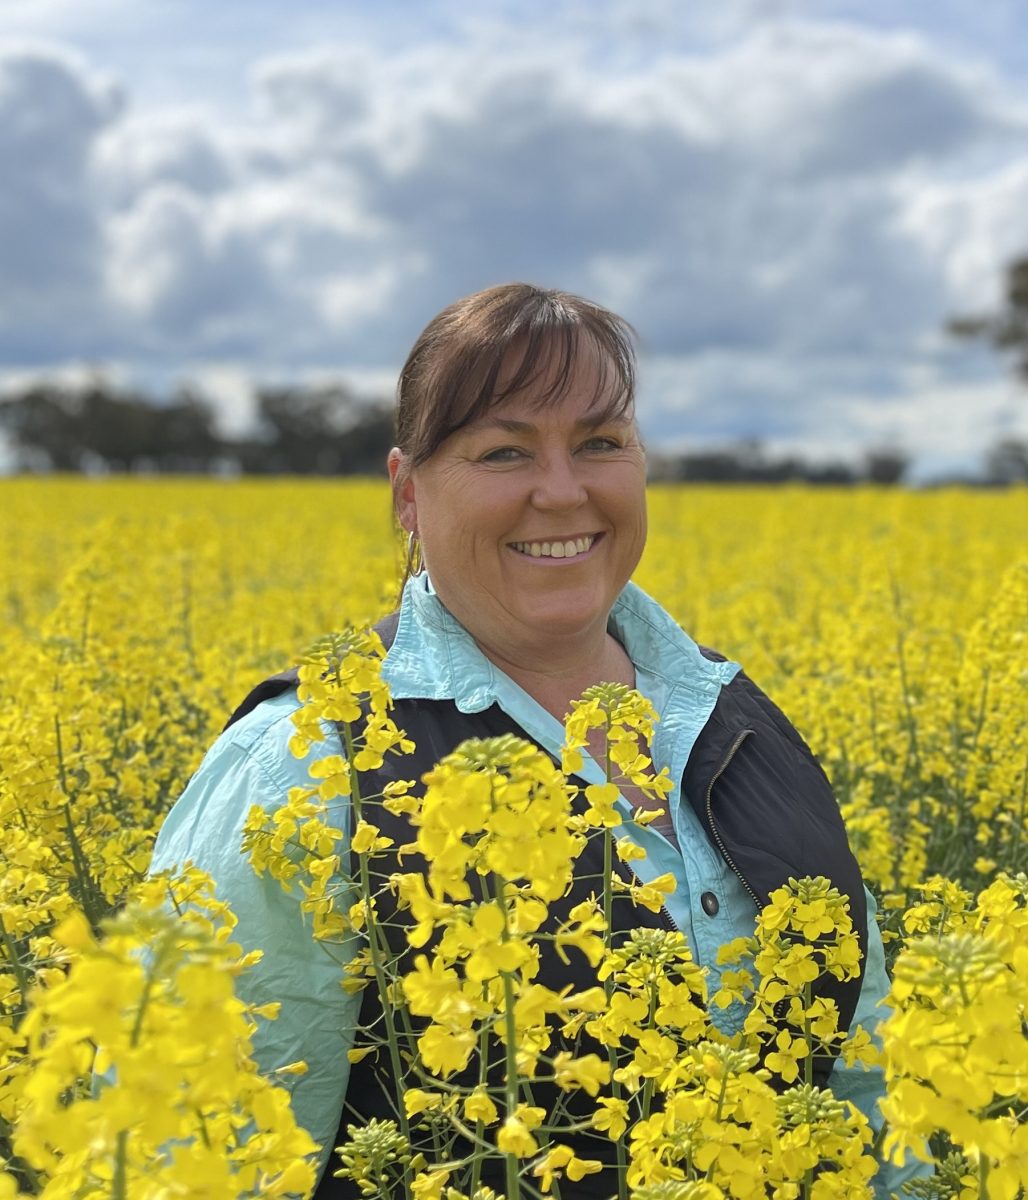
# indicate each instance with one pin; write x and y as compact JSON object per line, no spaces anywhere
{"x":402,"y":481}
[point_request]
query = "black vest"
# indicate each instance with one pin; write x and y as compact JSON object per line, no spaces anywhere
{"x":757,"y":790}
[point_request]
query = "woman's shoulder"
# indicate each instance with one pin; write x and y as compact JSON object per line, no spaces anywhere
{"x":259,"y":742}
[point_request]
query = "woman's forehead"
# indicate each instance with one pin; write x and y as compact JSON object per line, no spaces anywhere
{"x":577,"y":407}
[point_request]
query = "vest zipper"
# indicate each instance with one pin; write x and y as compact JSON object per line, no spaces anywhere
{"x":741,"y":737}
{"x":629,"y":876}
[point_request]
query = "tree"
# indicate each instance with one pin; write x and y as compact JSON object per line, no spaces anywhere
{"x":317,"y":430}
{"x":1007,"y":331}
{"x":885,"y":465}
{"x":1007,"y":462}
{"x":73,"y":427}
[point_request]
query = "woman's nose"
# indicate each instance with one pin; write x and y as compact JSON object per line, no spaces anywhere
{"x":559,"y":485}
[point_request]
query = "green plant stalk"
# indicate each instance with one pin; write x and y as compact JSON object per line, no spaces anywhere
{"x":375,"y":951}
{"x":808,"y":1062}
{"x":510,"y":1056}
{"x":808,"y":1073}
{"x":118,"y":1178}
{"x":483,"y":1051}
{"x":17,"y":966}
{"x":608,"y":985}
{"x":119,"y":1186}
{"x":1015,"y":863}
{"x":13,"y":1162}
{"x":144,"y":999}
{"x":86,"y":886}
{"x":717,"y":1119}
{"x":647,"y":1098}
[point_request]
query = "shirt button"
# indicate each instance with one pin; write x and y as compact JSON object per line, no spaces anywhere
{"x":709,"y":903}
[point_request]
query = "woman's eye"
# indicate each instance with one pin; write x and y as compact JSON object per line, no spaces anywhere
{"x":502,"y":454}
{"x":601,"y":443}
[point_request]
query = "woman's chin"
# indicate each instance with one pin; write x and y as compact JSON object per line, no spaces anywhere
{"x":564,"y":616}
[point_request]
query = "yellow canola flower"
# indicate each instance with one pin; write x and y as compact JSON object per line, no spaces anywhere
{"x":515,"y":1134}
{"x":889,"y":625}
{"x":179,"y":1087}
{"x":479,"y":1107}
{"x":955,"y":1053}
{"x":588,"y":1072}
{"x":561,"y":1160}
{"x":417,"y":1100}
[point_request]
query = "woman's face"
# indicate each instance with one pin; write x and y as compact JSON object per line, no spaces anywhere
{"x":531,"y":519}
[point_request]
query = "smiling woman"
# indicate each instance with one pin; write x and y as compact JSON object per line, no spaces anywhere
{"x":532,"y":511}
{"x":520,"y":471}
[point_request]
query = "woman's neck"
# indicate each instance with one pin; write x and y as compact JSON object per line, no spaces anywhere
{"x":556,"y":684}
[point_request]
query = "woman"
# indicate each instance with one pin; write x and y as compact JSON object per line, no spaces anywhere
{"x":520,"y":479}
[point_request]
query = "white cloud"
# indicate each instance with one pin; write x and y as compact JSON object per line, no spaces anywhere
{"x":831,"y":408}
{"x":771,"y":211}
{"x":970,"y":227}
{"x":176,"y":147}
{"x":228,"y":388}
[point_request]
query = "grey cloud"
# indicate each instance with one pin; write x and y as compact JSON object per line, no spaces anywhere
{"x":51,"y":111}
{"x":320,"y":95}
{"x":748,"y":199}
{"x":135,"y":155}
{"x":193,"y":280}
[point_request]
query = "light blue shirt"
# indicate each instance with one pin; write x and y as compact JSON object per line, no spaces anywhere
{"x":434,"y":657}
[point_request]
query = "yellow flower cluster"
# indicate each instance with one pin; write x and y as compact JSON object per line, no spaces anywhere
{"x":498,"y":830}
{"x":135,"y":616}
{"x":955,"y":1049}
{"x":804,"y":933}
{"x":889,"y":626}
{"x":339,"y":684}
{"x":180,"y":1108}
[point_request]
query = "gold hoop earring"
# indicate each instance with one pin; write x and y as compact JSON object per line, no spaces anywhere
{"x":415,"y":559}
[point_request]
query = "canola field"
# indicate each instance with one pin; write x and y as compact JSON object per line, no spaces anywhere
{"x":891,"y":627}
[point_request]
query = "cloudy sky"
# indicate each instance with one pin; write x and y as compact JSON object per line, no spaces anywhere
{"x":787,"y":199}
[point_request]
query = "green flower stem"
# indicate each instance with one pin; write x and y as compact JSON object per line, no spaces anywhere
{"x":13,"y":1162}
{"x":879,"y":1139}
{"x":87,"y":889}
{"x":483,"y":1053}
{"x":119,"y":1184}
{"x":648,"y":1086}
{"x":808,"y":1062}
{"x":608,"y":984}
{"x":151,"y":978}
{"x":21,"y":976}
{"x":717,"y":1116}
{"x":375,"y":950}
{"x":510,"y":1055}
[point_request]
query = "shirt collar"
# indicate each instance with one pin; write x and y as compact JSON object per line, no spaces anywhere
{"x":433,"y":657}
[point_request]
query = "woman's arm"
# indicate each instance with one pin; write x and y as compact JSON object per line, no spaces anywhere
{"x":251,"y":764}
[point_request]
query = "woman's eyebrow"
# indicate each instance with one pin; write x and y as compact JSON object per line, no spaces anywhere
{"x":525,"y":427}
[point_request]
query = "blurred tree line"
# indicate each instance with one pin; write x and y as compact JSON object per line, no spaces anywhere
{"x":329,"y":430}
{"x":322,"y":430}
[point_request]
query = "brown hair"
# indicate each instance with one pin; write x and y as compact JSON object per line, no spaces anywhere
{"x":450,"y":376}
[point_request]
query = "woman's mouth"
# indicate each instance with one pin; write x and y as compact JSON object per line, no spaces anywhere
{"x":573,"y":547}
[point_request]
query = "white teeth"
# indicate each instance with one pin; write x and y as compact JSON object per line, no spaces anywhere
{"x":566,"y":549}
